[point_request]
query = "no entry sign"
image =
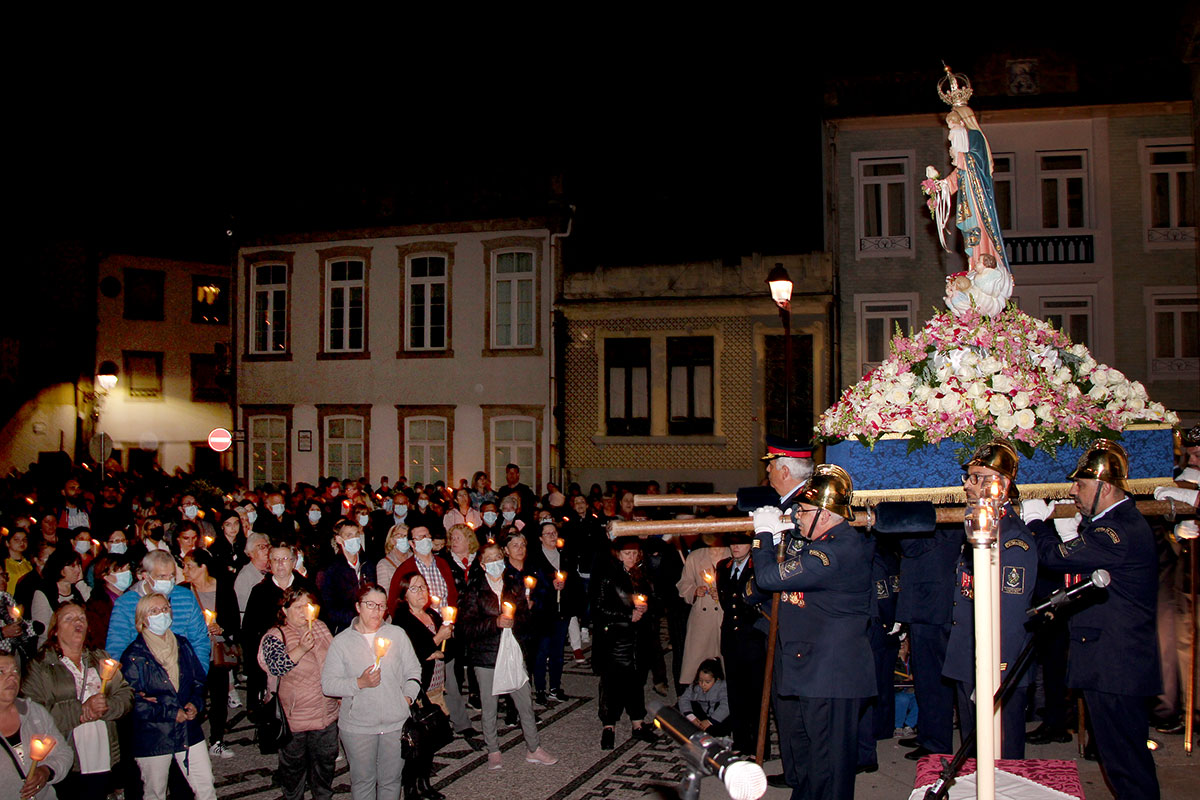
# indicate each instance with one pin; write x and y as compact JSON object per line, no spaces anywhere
{"x":220,"y":439}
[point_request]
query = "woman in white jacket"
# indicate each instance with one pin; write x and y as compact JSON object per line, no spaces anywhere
{"x":376,"y":691}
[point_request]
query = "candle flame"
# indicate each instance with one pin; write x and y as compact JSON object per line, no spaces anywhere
{"x":381,"y":647}
{"x":449,"y":613}
{"x":509,"y":610}
{"x":40,"y":747}
{"x":108,"y":668}
{"x":208,"y":541}
{"x":560,"y":543}
{"x":639,"y":599}
{"x":708,"y":577}
{"x":210,"y":616}
{"x":16,"y":613}
{"x":562,"y":576}
{"x":530,"y":582}
{"x":311,"y":609}
{"x":434,"y":600}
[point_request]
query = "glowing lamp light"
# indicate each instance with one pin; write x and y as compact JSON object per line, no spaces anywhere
{"x":781,"y":286}
{"x":381,"y":648}
{"x":106,"y":375}
{"x":40,"y":747}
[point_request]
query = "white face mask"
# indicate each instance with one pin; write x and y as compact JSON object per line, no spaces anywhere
{"x":164,"y":587}
{"x":251,"y":516}
{"x":509,"y":516}
{"x":363,"y":519}
{"x":123,"y":580}
{"x":314,"y":516}
{"x":190,"y":511}
{"x":403,"y":545}
{"x":494,"y":568}
{"x":423,"y":546}
{"x":352,"y":546}
{"x":117,"y":548}
{"x":400,"y":512}
{"x":489,"y":517}
{"x":422,"y":504}
{"x":159,"y":623}
{"x":82,"y":547}
{"x":277,"y":509}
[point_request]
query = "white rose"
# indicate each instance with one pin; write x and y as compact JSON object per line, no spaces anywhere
{"x":1078,"y":350}
{"x":1099,"y":377}
{"x":989,"y":365}
{"x":944,"y":372}
{"x":1021,"y":400}
{"x":1138,"y":390}
{"x":1136,"y":404}
{"x":950,"y":403}
{"x":901,"y":425}
{"x":975,"y":390}
{"x":1171,"y":418}
{"x":907,"y":380}
{"x":1002,"y":383}
{"x":931,"y":173}
{"x":970,"y":359}
{"x":1098,"y":393}
{"x":1115,"y":375}
{"x":1073,"y":390}
{"x":1157,"y":408}
{"x":1006,"y":423}
{"x":1122,"y":392}
{"x":890,"y":369}
{"x":923,"y":393}
{"x":1025,"y":419}
{"x":897,"y":397}
{"x":999,"y":406}
{"x":1062,"y":375}
{"x":966,"y":373}
{"x":1087,"y":365}
{"x":934,"y":404}
{"x":1046,"y":412}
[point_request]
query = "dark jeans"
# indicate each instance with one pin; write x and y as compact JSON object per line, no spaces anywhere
{"x":550,"y":648}
{"x":307,"y":761}
{"x":622,"y":692}
{"x":218,"y":701}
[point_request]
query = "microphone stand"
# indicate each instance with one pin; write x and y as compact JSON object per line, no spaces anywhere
{"x":941,"y":787}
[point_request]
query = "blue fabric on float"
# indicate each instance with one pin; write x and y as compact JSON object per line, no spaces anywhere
{"x":891,"y":466}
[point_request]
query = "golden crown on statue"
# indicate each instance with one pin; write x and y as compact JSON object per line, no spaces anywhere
{"x":954,"y":88}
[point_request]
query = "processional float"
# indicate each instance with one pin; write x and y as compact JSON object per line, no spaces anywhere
{"x":979,"y":372}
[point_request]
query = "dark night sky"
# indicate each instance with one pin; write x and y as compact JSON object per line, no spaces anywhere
{"x":672,"y":143}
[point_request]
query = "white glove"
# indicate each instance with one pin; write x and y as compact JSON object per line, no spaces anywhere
{"x":766,"y":518}
{"x":1187,"y":530}
{"x":1175,"y":493}
{"x":1068,"y":527}
{"x":1038,"y":510}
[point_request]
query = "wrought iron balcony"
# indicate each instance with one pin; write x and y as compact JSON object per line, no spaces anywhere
{"x":1068,"y":249}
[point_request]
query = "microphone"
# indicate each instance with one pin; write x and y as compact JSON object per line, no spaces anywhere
{"x":1061,"y":597}
{"x":709,"y":755}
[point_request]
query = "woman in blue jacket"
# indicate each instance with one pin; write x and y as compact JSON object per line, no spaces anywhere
{"x":168,"y":684}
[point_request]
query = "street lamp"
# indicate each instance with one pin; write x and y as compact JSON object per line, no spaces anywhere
{"x":781,"y":292}
{"x":106,"y":375}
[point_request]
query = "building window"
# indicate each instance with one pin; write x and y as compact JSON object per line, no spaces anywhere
{"x":627,"y":386}
{"x":883,"y":188}
{"x":205,"y":388}
{"x":345,"y":306}
{"x":1072,"y":315}
{"x":144,"y":374}
{"x":1063,"y":177}
{"x":1169,"y":185}
{"x":1003,"y":175}
{"x":144,"y":292}
{"x":268,"y":450}
{"x":878,"y":316}
{"x":690,"y":384}
{"x":1173,"y":319}
{"x":426,"y":290}
{"x":513,"y":304}
{"x":425,"y":449}
{"x":344,"y":447}
{"x":514,"y":441}
{"x":269,"y":304}
{"x":210,"y":300}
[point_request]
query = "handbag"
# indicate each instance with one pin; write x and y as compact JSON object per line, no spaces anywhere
{"x":224,"y":654}
{"x":271,"y":724}
{"x":426,"y":730}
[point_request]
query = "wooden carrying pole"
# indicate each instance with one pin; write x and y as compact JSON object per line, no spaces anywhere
{"x":1189,"y":721}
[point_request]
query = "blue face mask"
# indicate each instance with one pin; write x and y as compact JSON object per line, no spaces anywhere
{"x":124,"y":580}
{"x":400,"y":512}
{"x":422,"y":504}
{"x":314,"y":516}
{"x":509,"y":516}
{"x":494,"y":568}
{"x":159,"y":623}
{"x":117,"y":548}
{"x":164,"y":587}
{"x":489,"y":517}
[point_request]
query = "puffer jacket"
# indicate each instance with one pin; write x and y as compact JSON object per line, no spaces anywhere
{"x":51,"y":684}
{"x":155,"y":731}
{"x":618,"y":643}
{"x":477,"y":628}
{"x":305,"y":704}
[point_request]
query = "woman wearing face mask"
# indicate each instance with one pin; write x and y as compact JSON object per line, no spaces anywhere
{"x":489,"y":531}
{"x":373,"y":543}
{"x":398,"y":549}
{"x":462,"y":513}
{"x":342,"y":579}
{"x":313,"y":528}
{"x":65,"y":680}
{"x":481,"y":623}
{"x":424,"y":514}
{"x":62,"y":582}
{"x":218,"y":599}
{"x":113,"y":577}
{"x":152,"y":534}
{"x":510,"y":509}
{"x":168,"y":684}
{"x":81,"y":543}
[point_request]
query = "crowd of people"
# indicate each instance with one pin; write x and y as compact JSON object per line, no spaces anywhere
{"x":131,"y":607}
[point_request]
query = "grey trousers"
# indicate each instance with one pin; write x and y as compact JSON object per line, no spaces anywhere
{"x":459,"y":717}
{"x":489,"y":701}
{"x":375,"y":765}
{"x":307,"y":761}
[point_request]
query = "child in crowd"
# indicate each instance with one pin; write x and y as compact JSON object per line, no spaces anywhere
{"x":706,"y":701}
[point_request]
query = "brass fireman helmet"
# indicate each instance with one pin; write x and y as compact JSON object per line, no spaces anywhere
{"x":829,"y":488}
{"x":998,"y":456}
{"x":1190,"y":437}
{"x":1104,"y":461}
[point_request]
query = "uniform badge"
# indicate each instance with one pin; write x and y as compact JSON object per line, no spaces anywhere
{"x":881,"y":590}
{"x":895,"y":583}
{"x":1109,"y":532}
{"x":757,"y":543}
{"x":790,"y":567}
{"x":1013,"y":581}
{"x":967,"y":586}
{"x":795,"y":598}
{"x":818,"y":554}
{"x":1021,"y":543}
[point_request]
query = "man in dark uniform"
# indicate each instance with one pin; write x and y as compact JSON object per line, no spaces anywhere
{"x":1114,"y":653}
{"x":823,"y":664}
{"x":878,"y":718}
{"x":1018,"y":569}
{"x":743,"y":641}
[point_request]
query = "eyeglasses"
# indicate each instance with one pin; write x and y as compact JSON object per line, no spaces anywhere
{"x":417,"y":589}
{"x":972,"y":480}
{"x":373,"y":606}
{"x":287,"y":560}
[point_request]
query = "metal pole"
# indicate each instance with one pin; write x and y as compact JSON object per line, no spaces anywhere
{"x":785,"y":314}
{"x":772,"y":632}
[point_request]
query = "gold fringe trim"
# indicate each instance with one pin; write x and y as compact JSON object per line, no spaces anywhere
{"x":951,"y":495}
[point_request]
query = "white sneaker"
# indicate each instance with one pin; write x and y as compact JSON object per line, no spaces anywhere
{"x":234,"y":700}
{"x":220,"y":751}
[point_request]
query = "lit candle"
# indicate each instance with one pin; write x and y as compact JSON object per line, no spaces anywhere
{"x":434,"y":600}
{"x":210,"y":617}
{"x":381,"y":648}
{"x":561,"y":577}
{"x":95,"y":548}
{"x":208,"y":541}
{"x":530,"y":582}
{"x":471,"y":525}
{"x":108,"y":668}
{"x":40,"y":747}
{"x":311,"y":610}
{"x":509,"y":611}
{"x":560,"y":543}
{"x":639,"y":600}
{"x":16,"y":613}
{"x":449,"y":613}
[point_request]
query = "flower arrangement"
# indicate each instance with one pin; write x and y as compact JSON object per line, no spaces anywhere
{"x":929,"y":188}
{"x":974,"y":378}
